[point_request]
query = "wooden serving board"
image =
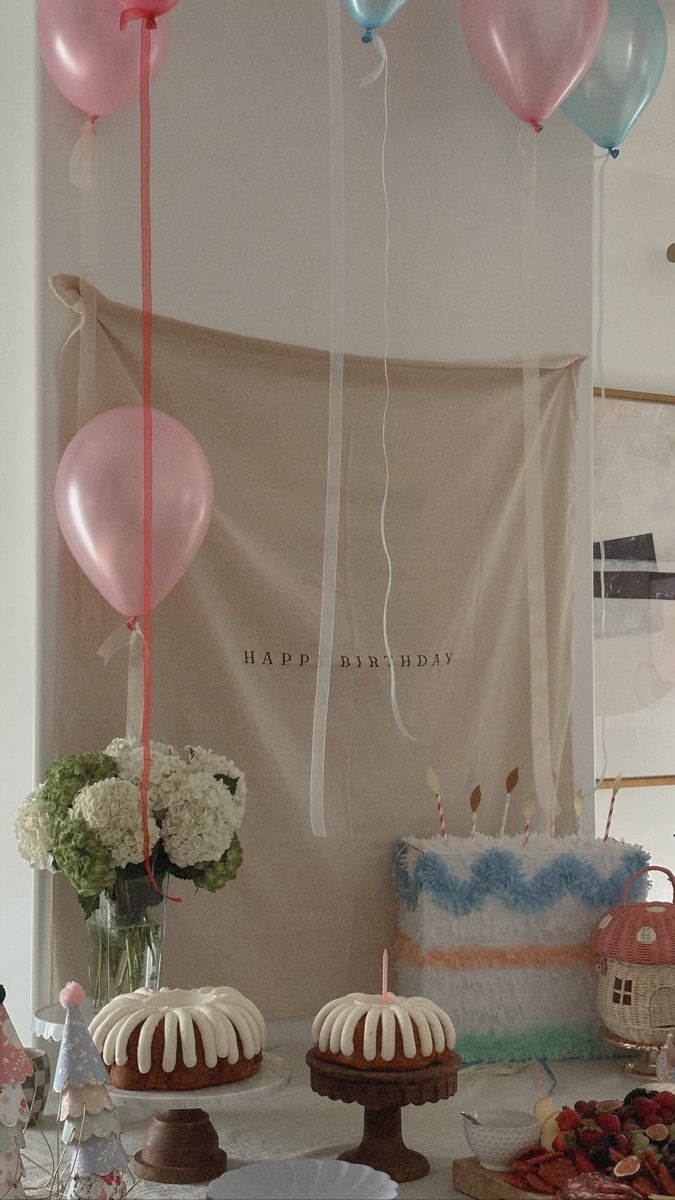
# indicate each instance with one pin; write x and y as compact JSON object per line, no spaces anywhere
{"x":471,"y":1179}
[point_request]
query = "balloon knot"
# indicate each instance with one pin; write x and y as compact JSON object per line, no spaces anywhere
{"x":131,"y":624}
{"x":537,"y":126}
{"x":137,"y":14}
{"x":614,"y":152}
{"x":367,"y":37}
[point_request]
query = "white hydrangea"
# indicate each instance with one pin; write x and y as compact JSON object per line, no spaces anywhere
{"x":199,"y":820}
{"x":33,"y":830}
{"x":112,"y":808}
{"x":128,"y":754}
{"x":216,"y":764}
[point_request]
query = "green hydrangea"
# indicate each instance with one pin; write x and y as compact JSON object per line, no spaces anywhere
{"x":67,"y":776}
{"x":81,"y":856}
{"x":214,"y":875}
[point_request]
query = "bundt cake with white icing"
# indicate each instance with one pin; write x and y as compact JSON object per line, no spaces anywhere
{"x":368,"y":1032}
{"x":179,"y":1040}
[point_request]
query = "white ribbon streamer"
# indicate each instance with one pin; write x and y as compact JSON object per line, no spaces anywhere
{"x":335,"y":407}
{"x":132,"y":637}
{"x":533,"y":486}
{"x":599,"y":432}
{"x":381,"y":66}
{"x":83,"y":176}
{"x":383,"y":535}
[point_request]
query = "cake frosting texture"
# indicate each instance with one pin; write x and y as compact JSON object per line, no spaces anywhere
{"x":499,"y":933}
{"x":207,"y":1028}
{"x":369,"y":1030}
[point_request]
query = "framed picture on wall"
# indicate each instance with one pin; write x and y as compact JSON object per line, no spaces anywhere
{"x":634,"y":587}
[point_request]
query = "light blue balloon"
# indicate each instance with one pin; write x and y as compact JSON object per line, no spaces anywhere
{"x":371,"y":14}
{"x":624,"y":74}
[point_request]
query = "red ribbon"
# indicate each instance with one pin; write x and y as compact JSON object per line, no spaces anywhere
{"x":148,"y":23}
{"x":137,"y":14}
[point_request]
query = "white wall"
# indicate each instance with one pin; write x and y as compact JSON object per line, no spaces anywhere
{"x":241,"y":188}
{"x":241,"y":204}
{"x":19,"y":425}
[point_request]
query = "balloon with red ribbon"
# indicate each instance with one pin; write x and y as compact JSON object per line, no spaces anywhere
{"x":533,"y":53}
{"x":100,"y":504}
{"x":93,"y":64}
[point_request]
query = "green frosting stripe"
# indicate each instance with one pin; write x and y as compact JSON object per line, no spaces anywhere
{"x":555,"y":1042}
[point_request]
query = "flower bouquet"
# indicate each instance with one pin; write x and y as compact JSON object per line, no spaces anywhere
{"x":85,"y":821}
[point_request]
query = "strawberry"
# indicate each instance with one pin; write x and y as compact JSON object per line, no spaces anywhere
{"x":581,"y":1162}
{"x":608,"y":1122}
{"x":589,"y":1137}
{"x":563,"y":1142}
{"x":642,"y":1106}
{"x":666,"y":1100}
{"x":568,"y":1119}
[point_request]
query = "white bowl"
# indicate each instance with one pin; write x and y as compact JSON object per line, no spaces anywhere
{"x":303,"y":1179}
{"x":500,"y":1136}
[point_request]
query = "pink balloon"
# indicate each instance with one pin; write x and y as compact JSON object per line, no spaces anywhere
{"x":154,"y":8}
{"x":92,"y":63}
{"x":533,"y":52}
{"x":99,"y":504}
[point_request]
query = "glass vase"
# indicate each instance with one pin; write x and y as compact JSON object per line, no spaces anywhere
{"x":125,"y":940}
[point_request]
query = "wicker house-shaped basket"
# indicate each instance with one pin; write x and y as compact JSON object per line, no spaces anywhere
{"x":635,"y":944}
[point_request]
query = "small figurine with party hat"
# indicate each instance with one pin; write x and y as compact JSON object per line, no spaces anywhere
{"x":90,"y":1126}
{"x":15,"y":1067}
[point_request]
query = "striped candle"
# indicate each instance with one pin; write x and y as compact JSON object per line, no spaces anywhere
{"x":615,"y":790}
{"x":528,"y":813}
{"x":434,"y":784}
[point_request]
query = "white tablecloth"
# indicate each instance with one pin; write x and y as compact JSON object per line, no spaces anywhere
{"x":296,"y":1123}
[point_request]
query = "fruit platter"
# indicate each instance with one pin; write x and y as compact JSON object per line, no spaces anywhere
{"x":602,"y":1148}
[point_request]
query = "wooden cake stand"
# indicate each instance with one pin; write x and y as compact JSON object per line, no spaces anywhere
{"x":181,"y":1143}
{"x":383,"y":1094}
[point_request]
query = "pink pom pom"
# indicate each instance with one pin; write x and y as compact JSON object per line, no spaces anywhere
{"x":72,"y":995}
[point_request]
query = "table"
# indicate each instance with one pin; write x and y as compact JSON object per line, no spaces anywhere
{"x":296,"y":1123}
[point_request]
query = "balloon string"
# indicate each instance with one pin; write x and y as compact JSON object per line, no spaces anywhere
{"x":335,"y":421}
{"x":601,"y":426}
{"x":533,"y":482}
{"x":383,"y":535}
{"x":146,"y":277}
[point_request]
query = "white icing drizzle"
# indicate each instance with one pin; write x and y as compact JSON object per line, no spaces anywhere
{"x":219,"y":1013}
{"x":335,"y":1025}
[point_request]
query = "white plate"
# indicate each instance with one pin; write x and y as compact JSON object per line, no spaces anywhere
{"x":303,"y":1179}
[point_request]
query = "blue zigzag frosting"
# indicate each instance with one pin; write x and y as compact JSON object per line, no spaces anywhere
{"x":499,"y":873}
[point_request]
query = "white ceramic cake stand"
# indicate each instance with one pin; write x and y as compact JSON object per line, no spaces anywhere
{"x":181,"y":1144}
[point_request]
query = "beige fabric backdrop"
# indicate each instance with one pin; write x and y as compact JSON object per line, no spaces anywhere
{"x":236,"y":641}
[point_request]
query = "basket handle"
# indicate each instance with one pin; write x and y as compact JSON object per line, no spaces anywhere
{"x":631,"y":881}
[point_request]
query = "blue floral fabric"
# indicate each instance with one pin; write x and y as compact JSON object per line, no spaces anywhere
{"x":99,"y":1156}
{"x":79,"y":1061}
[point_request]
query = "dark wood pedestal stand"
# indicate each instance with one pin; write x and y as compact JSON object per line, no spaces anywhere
{"x":383,"y":1094}
{"x":180,"y":1146}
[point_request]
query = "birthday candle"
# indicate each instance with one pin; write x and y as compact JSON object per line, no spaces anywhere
{"x":528,"y":813}
{"x":554,"y":801}
{"x":578,"y":810}
{"x":385,"y":976}
{"x":434,"y":784}
{"x":511,"y":785}
{"x":615,"y":789}
{"x":474,"y":801}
